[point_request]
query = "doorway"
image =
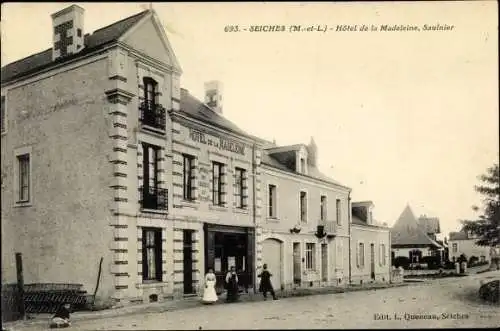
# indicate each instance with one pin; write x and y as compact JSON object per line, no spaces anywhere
{"x":296,"y":263}
{"x":188,"y":261}
{"x":271,"y":254}
{"x":324,"y":262}
{"x":372,"y":261}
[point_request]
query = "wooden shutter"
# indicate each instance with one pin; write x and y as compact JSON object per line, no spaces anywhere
{"x":210,"y":252}
{"x":144,"y":256}
{"x":193,"y":177}
{"x":250,"y":256}
{"x":158,"y":255}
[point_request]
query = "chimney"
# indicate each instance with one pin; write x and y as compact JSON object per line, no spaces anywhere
{"x":213,"y":95}
{"x":312,"y":151}
{"x":67,"y":27}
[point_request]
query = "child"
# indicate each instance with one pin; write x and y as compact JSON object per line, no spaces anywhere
{"x":61,"y":317}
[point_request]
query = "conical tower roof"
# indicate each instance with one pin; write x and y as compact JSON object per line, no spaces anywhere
{"x":407,"y":232}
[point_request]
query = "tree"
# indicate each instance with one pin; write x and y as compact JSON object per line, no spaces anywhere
{"x":487,"y":226}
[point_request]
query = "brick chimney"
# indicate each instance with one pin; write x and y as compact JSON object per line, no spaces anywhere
{"x":213,"y":95}
{"x":68,"y":34}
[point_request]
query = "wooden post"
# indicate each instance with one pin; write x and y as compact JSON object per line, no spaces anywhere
{"x":20,"y":284}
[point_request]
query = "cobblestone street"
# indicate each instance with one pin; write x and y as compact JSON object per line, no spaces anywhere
{"x":345,"y":310}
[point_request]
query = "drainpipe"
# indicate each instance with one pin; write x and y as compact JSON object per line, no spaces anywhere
{"x":349,"y":231}
{"x":254,"y":209}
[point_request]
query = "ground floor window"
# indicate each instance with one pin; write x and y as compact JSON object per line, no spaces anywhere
{"x":415,"y":256}
{"x":310,"y":256}
{"x":151,"y":254}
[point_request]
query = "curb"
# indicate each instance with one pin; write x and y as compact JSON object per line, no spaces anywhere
{"x":166,"y":306}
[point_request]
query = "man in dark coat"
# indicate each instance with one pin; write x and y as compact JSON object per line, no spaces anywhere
{"x":232,"y":285}
{"x":265,"y":283}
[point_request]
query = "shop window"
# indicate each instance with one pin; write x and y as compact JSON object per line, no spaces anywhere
{"x":151,"y":254}
{"x":310,"y":256}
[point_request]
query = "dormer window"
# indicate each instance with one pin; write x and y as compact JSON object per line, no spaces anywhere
{"x":302,"y":165}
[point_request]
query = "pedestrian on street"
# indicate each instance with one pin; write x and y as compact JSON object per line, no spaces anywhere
{"x":265,"y":283}
{"x":232,"y":285}
{"x":209,"y":294}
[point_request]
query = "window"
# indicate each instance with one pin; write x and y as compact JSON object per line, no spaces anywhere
{"x":188,"y":177}
{"x":150,"y":92}
{"x":240,"y":188}
{"x":303,"y":206}
{"x":302,"y":165}
{"x":361,"y":255}
{"x":152,"y":196}
{"x":310,"y":256}
{"x":340,"y":255}
{"x":272,"y":201}
{"x":382,"y":255}
{"x":151,"y":254}
{"x":3,"y":115}
{"x":323,"y":208}
{"x":79,"y":32}
{"x":338,"y":209}
{"x":454,"y":247}
{"x":217,"y":183}
{"x":24,"y":177}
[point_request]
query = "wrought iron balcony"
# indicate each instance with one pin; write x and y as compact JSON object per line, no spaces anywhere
{"x":154,"y":198}
{"x":152,"y":115}
{"x":330,"y":227}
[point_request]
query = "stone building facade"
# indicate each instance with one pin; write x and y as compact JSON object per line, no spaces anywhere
{"x":105,"y":156}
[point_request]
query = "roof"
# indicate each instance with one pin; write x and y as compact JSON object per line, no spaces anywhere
{"x":93,"y":42}
{"x":459,"y":236}
{"x":429,"y":224}
{"x":406,"y":231}
{"x":193,"y":107}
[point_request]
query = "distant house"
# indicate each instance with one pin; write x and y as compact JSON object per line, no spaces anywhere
{"x":465,"y":243}
{"x":414,"y":238}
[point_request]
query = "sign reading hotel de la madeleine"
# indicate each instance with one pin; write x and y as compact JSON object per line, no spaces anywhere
{"x":217,"y":142}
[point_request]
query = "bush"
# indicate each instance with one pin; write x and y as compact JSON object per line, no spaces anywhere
{"x":433,"y":262}
{"x":490,"y":291}
{"x":479,"y":263}
{"x":473,"y":260}
{"x":402,"y":261}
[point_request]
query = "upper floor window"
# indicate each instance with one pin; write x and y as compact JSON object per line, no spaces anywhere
{"x":3,"y":117}
{"x":303,"y":206}
{"x":382,"y":255}
{"x":302,"y":165}
{"x":338,"y":209}
{"x":188,"y":175}
{"x":23,"y":162}
{"x":240,"y":188}
{"x":153,"y":196}
{"x":323,"y":208}
{"x":272,"y":201}
{"x":454,"y":247}
{"x":152,"y":114}
{"x":217,"y":183}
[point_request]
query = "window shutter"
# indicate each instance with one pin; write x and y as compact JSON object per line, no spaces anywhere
{"x":140,"y":171}
{"x":235,"y":187}
{"x":244,"y":190}
{"x":193,"y":178}
{"x":158,"y":255}
{"x":223,"y":188}
{"x":210,"y":244}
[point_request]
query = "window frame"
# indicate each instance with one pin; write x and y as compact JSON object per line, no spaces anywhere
{"x":272,"y":209}
{"x":218,"y":188}
{"x":454,"y":247}
{"x":24,"y":182}
{"x":338,"y":211}
{"x":310,"y":255}
{"x":239,"y":189}
{"x":324,"y":208}
{"x":157,"y":250}
{"x":361,"y":255}
{"x":187,"y":177}
{"x":303,"y":206}
{"x":150,"y":82}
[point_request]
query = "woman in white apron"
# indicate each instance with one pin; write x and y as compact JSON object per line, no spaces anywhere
{"x":209,"y":295}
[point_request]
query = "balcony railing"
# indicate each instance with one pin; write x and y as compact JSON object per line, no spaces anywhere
{"x":154,"y":198}
{"x":330,"y":227}
{"x":152,"y":115}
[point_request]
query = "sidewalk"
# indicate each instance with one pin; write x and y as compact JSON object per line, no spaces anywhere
{"x":188,"y":303}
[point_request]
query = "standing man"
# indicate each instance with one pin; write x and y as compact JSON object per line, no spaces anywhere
{"x":265,"y":283}
{"x":232,"y":285}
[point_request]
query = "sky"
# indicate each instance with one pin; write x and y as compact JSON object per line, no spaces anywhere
{"x":400,"y":117}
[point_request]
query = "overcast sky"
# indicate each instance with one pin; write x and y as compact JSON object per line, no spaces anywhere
{"x":401,"y":117}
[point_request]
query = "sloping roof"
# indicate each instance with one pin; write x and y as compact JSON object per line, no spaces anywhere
{"x":193,"y":107}
{"x":406,"y":231}
{"x":458,"y":236}
{"x":358,"y":221}
{"x":92,"y":42}
{"x":429,"y":224}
